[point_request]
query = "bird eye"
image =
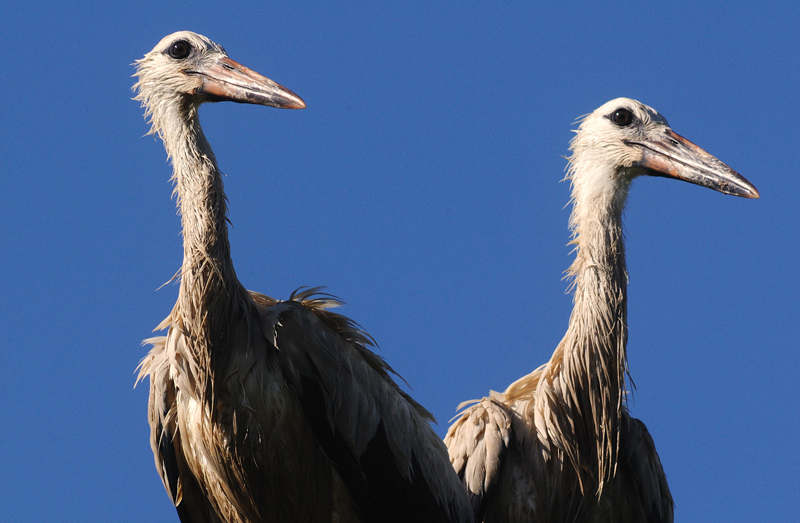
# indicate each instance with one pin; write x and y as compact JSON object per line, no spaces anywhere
{"x":622,"y":117}
{"x":179,"y":49}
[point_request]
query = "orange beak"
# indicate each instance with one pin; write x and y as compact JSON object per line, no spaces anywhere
{"x":227,"y":80}
{"x":676,"y":157}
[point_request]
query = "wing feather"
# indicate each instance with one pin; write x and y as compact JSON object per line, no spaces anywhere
{"x":379,"y":440}
{"x":477,"y":443}
{"x":654,"y":496}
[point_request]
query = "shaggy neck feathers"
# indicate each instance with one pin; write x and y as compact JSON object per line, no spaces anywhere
{"x":577,"y":398}
{"x":593,"y":362}
{"x":201,"y":199}
{"x":210,"y":295}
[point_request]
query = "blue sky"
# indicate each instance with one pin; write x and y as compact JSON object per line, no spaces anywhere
{"x":422,"y":185}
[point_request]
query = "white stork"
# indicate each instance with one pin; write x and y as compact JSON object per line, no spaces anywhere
{"x":559,"y":444}
{"x":264,"y":410}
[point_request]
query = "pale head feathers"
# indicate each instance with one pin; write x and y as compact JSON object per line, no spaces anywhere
{"x":601,"y":162}
{"x":165,"y":83}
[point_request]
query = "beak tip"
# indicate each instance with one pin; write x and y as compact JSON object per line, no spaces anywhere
{"x":748,"y":190}
{"x":751,"y":193}
{"x":289,"y":100}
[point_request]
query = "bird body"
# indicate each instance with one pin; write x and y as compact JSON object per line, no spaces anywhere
{"x":200,"y":444}
{"x":559,"y":443}
{"x":265,"y":410}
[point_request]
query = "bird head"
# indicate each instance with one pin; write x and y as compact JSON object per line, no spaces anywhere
{"x":186,"y":69}
{"x":624,"y":139}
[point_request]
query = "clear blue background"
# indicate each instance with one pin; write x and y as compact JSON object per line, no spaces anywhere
{"x":421,"y":185}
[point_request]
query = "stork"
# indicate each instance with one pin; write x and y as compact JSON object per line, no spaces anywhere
{"x":265,"y":410}
{"x":559,"y":444}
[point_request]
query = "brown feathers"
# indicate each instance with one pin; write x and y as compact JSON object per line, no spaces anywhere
{"x":265,"y":410}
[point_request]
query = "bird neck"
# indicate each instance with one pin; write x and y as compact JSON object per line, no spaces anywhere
{"x":209,"y":287}
{"x":586,"y":375}
{"x":595,"y":341}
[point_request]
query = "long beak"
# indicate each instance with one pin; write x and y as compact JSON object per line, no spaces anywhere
{"x":230,"y":80}
{"x":676,"y":157}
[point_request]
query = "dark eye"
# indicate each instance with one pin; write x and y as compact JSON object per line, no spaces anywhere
{"x":622,"y":117}
{"x":179,"y":49}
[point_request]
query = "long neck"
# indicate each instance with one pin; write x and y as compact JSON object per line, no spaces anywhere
{"x":594,"y":356}
{"x":583,"y":384}
{"x":209,"y":288}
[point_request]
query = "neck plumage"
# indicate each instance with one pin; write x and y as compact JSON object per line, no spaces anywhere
{"x":580,"y":396}
{"x":594,"y":359}
{"x":209,"y":290}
